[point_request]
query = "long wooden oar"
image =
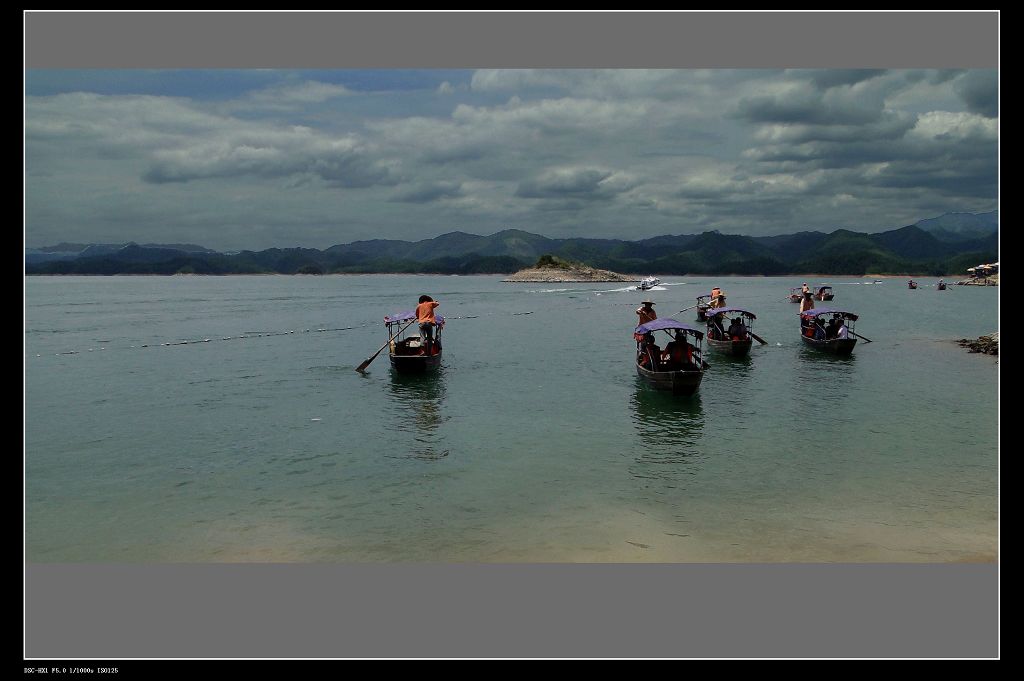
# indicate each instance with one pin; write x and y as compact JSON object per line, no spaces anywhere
{"x":867,"y":340}
{"x":374,"y":356}
{"x":757,"y":338}
{"x":689,"y":308}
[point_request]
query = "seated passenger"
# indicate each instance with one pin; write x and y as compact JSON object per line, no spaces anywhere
{"x":737,"y":331}
{"x":678,"y":352}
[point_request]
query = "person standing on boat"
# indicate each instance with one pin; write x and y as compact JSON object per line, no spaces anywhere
{"x":807,"y":303}
{"x":646,"y":312}
{"x":427,"y":321}
{"x":717,"y":298}
{"x":805,"y":289}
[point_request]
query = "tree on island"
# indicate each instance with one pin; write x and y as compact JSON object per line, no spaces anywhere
{"x":548,"y":261}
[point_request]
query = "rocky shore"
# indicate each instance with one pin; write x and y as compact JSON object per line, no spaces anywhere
{"x":988,"y":345}
{"x":555,"y":275}
{"x":980,"y":281}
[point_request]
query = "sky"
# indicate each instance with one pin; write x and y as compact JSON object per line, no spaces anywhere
{"x":261,"y":158}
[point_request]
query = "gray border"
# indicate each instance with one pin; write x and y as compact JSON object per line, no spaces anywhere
{"x":551,"y":610}
{"x":103,"y":611}
{"x":512,"y":40}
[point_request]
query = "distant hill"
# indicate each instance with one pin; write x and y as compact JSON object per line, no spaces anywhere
{"x":914,"y":249}
{"x":954,"y":227}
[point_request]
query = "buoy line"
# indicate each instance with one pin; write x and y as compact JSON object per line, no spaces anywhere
{"x":268,"y":334}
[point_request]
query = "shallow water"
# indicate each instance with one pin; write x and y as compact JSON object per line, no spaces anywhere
{"x":256,"y":440}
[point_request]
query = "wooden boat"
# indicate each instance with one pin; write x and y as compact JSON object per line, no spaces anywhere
{"x":736,"y":346}
{"x":409,"y":354}
{"x":811,"y":320}
{"x":824,"y":293}
{"x":658,"y":369}
{"x":912,"y":284}
{"x":795,"y":295}
{"x":941,"y":285}
{"x":703,"y":304}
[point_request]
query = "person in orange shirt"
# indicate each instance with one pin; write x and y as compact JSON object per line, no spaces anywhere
{"x":717,"y":298}
{"x":646,"y":312}
{"x":425,"y":318}
{"x":807,"y":303}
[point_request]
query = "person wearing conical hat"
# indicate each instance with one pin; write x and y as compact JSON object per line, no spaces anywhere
{"x":646,"y":312}
{"x":717,"y":297}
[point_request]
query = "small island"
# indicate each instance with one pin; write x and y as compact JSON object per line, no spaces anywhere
{"x":552,"y":269}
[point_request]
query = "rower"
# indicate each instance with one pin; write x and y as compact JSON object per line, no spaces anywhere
{"x":646,"y":312}
{"x":426,"y":319}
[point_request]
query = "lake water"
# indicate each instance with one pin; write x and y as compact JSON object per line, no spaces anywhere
{"x":536,"y":441}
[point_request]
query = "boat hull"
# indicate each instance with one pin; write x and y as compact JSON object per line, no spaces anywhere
{"x":415,"y":364}
{"x":702,"y":314}
{"x":836,"y":346}
{"x":739,"y":348}
{"x":683,"y":383}
{"x":794,"y":299}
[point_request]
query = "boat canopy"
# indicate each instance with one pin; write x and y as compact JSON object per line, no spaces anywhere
{"x":824,"y":287}
{"x":829,"y":310}
{"x":714,"y":312}
{"x":667,"y":324}
{"x":407,"y":316}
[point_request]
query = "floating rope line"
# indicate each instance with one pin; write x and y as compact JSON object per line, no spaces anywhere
{"x":268,"y":334}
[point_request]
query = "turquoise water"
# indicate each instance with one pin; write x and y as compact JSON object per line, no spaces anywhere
{"x":535,"y":442}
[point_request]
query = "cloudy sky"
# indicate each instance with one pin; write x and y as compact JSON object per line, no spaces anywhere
{"x":234,"y":159}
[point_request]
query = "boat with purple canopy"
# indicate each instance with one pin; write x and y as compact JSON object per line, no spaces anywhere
{"x":828,"y":329}
{"x":412,"y":354}
{"x":678,"y":368}
{"x":703,"y":305}
{"x":736,"y":344}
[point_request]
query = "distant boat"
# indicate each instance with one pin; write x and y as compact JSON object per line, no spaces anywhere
{"x":811,"y":322}
{"x":682,"y":376}
{"x":737,"y":346}
{"x":912,"y":284}
{"x":795,"y":296}
{"x":703,"y":304}
{"x":941,"y":285}
{"x":647,"y":283}
{"x":409,"y":355}
{"x":824,"y":293}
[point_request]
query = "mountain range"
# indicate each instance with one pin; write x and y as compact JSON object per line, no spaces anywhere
{"x":937,"y":246}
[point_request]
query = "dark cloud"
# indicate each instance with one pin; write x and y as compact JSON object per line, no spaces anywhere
{"x":428,"y":192}
{"x":980,"y":91}
{"x":578,"y":183}
{"x":804,"y":107}
{"x":830,"y":78}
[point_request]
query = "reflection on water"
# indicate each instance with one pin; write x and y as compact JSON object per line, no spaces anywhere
{"x":670,"y":431}
{"x":822,"y":381}
{"x":416,"y":408}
